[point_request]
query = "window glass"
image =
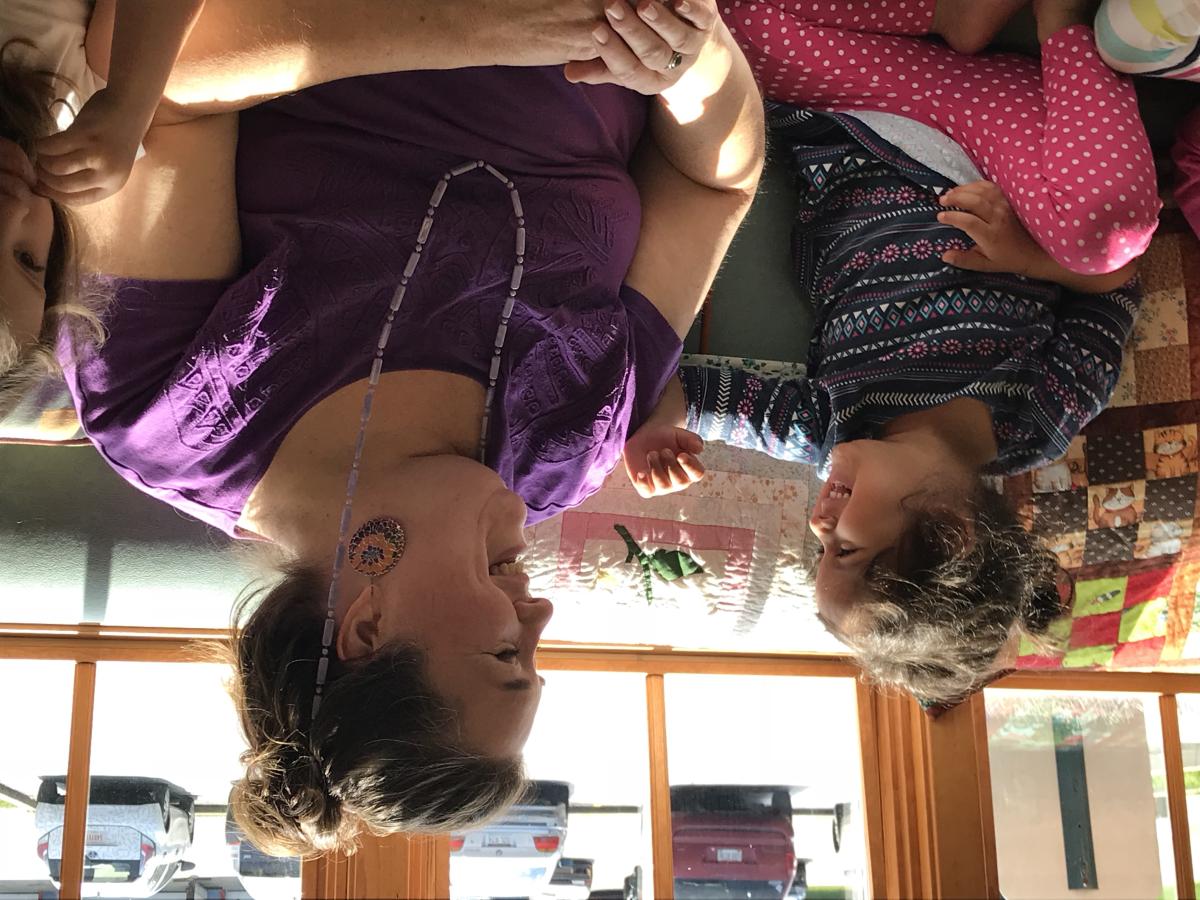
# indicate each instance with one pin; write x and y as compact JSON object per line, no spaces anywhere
{"x":1079,"y":793}
{"x":165,"y":748}
{"x":766,"y":787}
{"x":1189,"y":735}
{"x":35,"y":717}
{"x":584,"y":827}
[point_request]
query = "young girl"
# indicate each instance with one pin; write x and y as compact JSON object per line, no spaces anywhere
{"x":963,"y":327}
{"x":47,"y":84}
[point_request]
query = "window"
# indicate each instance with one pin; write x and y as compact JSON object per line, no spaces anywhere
{"x":766,"y":786}
{"x":165,"y":752}
{"x":1079,"y":794}
{"x":585,"y":825}
{"x":35,"y":715}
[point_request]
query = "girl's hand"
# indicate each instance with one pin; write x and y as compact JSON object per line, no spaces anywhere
{"x":1003,"y":245}
{"x":662,"y":459}
{"x":641,"y":38}
{"x":17,"y":177}
{"x":92,"y":159}
{"x":1001,"y":242}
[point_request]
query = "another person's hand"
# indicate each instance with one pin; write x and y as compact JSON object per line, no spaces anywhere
{"x":1002,"y":243}
{"x":662,"y":459}
{"x":641,"y":40}
{"x":92,"y":159}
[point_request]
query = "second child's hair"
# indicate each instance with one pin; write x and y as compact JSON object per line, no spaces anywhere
{"x":26,"y":99}
{"x":383,"y":753}
{"x":936,"y":624}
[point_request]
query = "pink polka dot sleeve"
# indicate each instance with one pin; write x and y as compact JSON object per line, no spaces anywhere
{"x":1062,"y":137}
{"x":878,"y":16}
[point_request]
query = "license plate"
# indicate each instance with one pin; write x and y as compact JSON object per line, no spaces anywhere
{"x":497,"y":840}
{"x":97,"y":839}
{"x":729,"y":854}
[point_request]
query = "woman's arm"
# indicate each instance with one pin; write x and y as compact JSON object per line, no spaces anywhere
{"x":240,"y":52}
{"x":697,"y":170}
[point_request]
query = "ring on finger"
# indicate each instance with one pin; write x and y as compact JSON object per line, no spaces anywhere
{"x":676,"y":59}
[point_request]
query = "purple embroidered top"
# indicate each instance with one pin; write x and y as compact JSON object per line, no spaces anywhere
{"x":200,"y":382}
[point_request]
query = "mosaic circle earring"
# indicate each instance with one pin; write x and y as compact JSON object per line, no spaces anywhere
{"x":376,"y":547}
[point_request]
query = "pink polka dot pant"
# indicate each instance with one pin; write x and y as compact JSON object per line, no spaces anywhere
{"x":1062,"y":138}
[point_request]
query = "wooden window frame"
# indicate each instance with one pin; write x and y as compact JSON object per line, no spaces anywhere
{"x":926,"y":801}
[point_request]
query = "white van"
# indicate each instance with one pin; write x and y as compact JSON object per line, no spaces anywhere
{"x":138,"y":830}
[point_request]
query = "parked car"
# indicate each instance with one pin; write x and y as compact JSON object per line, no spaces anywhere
{"x":572,"y":880}
{"x":138,"y":830}
{"x":265,"y":877}
{"x":799,"y":889}
{"x":516,"y":856}
{"x":732,"y":842}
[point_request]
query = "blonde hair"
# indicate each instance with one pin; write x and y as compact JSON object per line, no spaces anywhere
{"x":382,"y":754}
{"x":26,"y":96}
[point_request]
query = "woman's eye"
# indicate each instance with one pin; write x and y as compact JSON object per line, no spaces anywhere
{"x":25,"y":258}
{"x":507,"y":656}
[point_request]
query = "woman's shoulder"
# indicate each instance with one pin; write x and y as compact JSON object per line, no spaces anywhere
{"x":176,"y":218}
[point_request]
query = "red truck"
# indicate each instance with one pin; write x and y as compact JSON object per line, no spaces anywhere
{"x":732,"y":841}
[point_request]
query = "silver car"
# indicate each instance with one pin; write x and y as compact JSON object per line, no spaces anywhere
{"x":138,"y":830}
{"x":518,"y":854}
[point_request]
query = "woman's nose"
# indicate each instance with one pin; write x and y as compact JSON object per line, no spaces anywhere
{"x":534,"y":612}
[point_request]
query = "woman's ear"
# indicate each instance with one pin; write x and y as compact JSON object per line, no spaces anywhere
{"x":358,"y":637}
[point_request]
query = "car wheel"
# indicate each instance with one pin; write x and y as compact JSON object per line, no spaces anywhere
{"x":164,"y":802}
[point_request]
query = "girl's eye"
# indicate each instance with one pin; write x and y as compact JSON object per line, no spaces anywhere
{"x":25,"y":258}
{"x":507,"y":656}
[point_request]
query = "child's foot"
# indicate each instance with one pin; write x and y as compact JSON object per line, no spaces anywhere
{"x":1055,"y":15}
{"x":969,"y":25}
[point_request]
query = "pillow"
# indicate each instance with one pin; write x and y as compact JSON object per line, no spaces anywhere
{"x":45,"y":415}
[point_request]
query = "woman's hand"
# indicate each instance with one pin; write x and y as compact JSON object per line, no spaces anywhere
{"x":662,"y":459}
{"x":1002,"y":244}
{"x":641,"y":39}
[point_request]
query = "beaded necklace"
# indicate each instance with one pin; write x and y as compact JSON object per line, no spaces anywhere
{"x":414,"y":259}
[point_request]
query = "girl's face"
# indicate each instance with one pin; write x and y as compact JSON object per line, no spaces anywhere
{"x":864,"y":509}
{"x":26,"y":234}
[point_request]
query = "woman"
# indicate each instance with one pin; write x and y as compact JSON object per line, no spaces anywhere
{"x":514,"y":259}
{"x":964,"y":328}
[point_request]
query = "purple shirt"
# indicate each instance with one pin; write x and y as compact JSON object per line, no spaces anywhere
{"x":200,"y":382}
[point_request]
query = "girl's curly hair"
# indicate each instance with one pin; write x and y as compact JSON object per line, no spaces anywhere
{"x":935,"y":625}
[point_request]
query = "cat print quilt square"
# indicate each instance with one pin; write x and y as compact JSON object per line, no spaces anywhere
{"x":1116,"y":505}
{"x":1170,"y":452}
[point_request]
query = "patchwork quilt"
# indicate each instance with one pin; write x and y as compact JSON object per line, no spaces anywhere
{"x":1122,"y":510}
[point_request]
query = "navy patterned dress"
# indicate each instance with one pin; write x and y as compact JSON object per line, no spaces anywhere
{"x":898,"y":331}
